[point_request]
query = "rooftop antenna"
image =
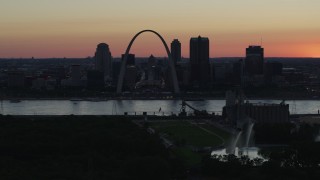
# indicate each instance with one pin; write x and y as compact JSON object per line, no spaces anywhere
{"x":261,"y":41}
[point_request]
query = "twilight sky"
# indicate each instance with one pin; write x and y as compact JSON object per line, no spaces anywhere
{"x":73,"y":28}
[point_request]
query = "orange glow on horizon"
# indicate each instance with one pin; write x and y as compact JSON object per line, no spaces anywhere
{"x":312,"y":50}
{"x":143,"y":49}
{"x":221,"y":45}
{"x":44,"y":28}
{"x":77,"y":45}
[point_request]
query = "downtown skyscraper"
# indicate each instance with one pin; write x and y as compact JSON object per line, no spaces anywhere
{"x":254,"y":61}
{"x":176,"y":51}
{"x":103,"y":60}
{"x":199,"y":61}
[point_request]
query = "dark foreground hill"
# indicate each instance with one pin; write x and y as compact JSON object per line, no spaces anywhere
{"x":80,"y":147}
{"x":102,"y":147}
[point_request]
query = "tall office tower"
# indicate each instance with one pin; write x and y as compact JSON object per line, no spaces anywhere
{"x":103,"y":60}
{"x":199,"y":61}
{"x":253,"y":63}
{"x":131,"y":59}
{"x":176,"y":51}
{"x":130,"y":78}
{"x":152,"y":62}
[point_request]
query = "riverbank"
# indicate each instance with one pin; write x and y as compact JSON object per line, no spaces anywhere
{"x":151,"y":98}
{"x":115,"y":106}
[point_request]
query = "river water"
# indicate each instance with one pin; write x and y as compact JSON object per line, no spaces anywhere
{"x":118,"y":107}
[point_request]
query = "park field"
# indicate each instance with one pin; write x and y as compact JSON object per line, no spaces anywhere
{"x":192,"y":134}
{"x":188,"y":137}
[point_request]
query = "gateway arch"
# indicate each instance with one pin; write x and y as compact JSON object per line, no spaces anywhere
{"x":171,"y":64}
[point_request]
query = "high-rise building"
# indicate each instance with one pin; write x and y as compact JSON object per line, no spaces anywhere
{"x":130,"y":77}
{"x":253,"y":63}
{"x":199,"y":61}
{"x":151,"y":67}
{"x":103,"y":60}
{"x":176,"y":51}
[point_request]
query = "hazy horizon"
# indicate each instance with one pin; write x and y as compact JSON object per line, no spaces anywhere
{"x":146,"y":57}
{"x":46,"y":28}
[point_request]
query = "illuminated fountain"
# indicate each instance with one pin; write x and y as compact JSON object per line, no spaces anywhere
{"x":317,"y":139}
{"x":249,"y":134}
{"x":241,"y":144}
{"x":231,"y":149}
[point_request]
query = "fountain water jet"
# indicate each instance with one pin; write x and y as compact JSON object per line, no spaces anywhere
{"x":234,"y":143}
{"x":317,"y":138}
{"x":249,"y":134}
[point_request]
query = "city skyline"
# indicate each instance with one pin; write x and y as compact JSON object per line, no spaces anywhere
{"x":45,"y":29}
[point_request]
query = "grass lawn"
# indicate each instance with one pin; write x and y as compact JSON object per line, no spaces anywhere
{"x":225,"y":135}
{"x":184,"y":132}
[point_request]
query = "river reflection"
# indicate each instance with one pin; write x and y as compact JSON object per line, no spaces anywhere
{"x":112,"y":107}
